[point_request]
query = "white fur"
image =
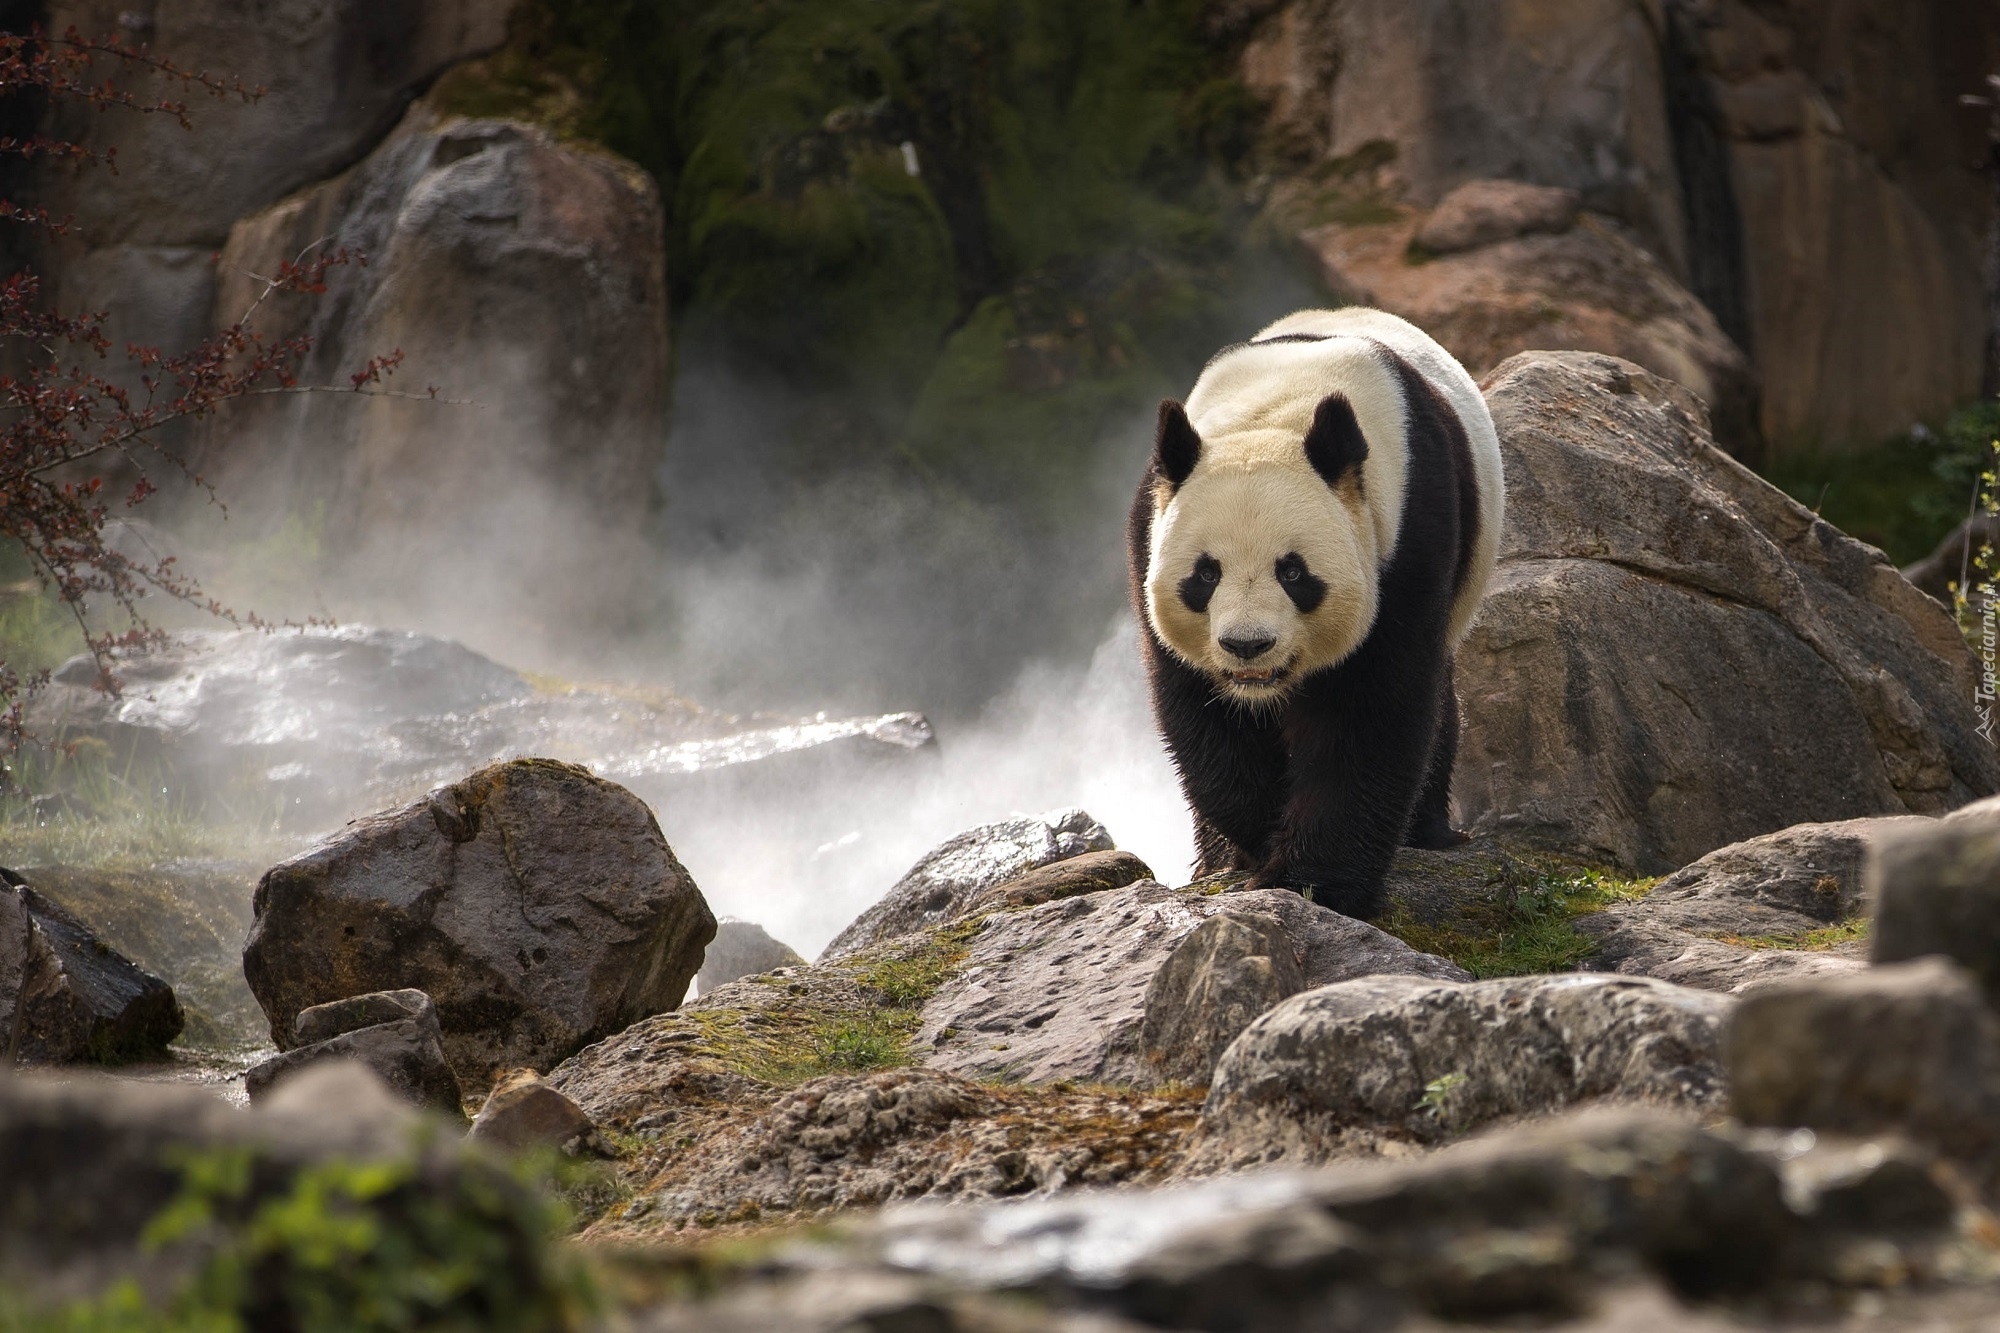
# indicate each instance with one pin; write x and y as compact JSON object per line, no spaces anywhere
{"x":1253,"y":496}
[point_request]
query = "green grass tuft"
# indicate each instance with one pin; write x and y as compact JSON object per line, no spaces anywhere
{"x":1523,"y":928}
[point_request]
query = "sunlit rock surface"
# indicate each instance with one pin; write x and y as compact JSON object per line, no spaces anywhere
{"x":327,"y":724}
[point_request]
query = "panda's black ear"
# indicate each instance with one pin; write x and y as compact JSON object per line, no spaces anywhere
{"x":1176,"y":448}
{"x":1335,"y":443}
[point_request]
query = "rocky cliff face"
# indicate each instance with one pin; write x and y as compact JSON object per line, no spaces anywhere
{"x":1769,"y":154}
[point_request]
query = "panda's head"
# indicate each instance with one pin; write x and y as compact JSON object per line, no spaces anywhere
{"x":1263,"y":553}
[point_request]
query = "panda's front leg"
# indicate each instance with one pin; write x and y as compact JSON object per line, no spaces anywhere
{"x":1360,"y":738}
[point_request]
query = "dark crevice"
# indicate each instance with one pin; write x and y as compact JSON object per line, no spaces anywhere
{"x":1717,"y":265}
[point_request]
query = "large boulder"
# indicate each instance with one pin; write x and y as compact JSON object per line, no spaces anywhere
{"x":524,"y":279}
{"x":1512,"y":274}
{"x":1421,"y":1061}
{"x":947,"y":880}
{"x":1068,"y":990}
{"x":66,"y":996}
{"x":1644,"y":576}
{"x":1769,"y":155}
{"x":1903,"y":1048}
{"x":1787,"y":904}
{"x":538,"y":906}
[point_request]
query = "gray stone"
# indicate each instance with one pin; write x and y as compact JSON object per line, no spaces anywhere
{"x":335,"y":77}
{"x":73,"y":997}
{"x":522,"y":277}
{"x":1090,"y":872}
{"x":322,"y":1021}
{"x":1229,"y":970}
{"x":951,"y":876}
{"x":742,"y":949}
{"x":523,"y":1113}
{"x":407,"y":1054}
{"x":1908,"y":1048}
{"x":538,"y":906}
{"x":1742,"y":914}
{"x":1937,"y":891}
{"x":1644,"y":576}
{"x":88,"y":1161}
{"x":1484,"y":211}
{"x":1421,"y":1060}
{"x":1060,"y":991}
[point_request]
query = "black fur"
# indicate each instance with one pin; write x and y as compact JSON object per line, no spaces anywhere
{"x":1176,"y":447}
{"x":1318,"y":794}
{"x":1198,"y":588}
{"x":1306,"y":589}
{"x":1334,"y":442}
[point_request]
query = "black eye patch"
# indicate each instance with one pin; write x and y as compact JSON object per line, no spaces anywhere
{"x":1198,"y":587}
{"x":1306,"y":589}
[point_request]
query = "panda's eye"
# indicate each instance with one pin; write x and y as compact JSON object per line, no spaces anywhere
{"x":1208,"y":570}
{"x":1290,"y":568}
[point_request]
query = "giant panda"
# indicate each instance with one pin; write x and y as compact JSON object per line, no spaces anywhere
{"x":1308,"y":546}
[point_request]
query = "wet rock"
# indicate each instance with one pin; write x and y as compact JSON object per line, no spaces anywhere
{"x":339,"y":722}
{"x":1747,"y":913}
{"x":1091,"y":872}
{"x":1902,"y":1048}
{"x":66,"y":996}
{"x":394,"y":1033}
{"x":1644,"y":575}
{"x":1484,"y":211}
{"x":522,"y":1113}
{"x":87,"y":1162}
{"x":1229,"y":970}
{"x":742,"y":949}
{"x":1937,"y":891}
{"x":183,"y":921}
{"x":1060,"y":991}
{"x":948,"y":879}
{"x":1422,"y":1060}
{"x":538,"y":906}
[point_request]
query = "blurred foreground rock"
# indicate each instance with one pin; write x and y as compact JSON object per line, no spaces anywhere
{"x":523,"y":1113}
{"x":1937,"y":892}
{"x":538,"y":906}
{"x":394,"y":1034}
{"x":321,"y":725}
{"x":66,"y":996}
{"x":1644,"y":577}
{"x":86,"y":1163}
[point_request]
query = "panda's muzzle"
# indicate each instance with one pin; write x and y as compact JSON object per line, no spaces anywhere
{"x":1248,"y":649}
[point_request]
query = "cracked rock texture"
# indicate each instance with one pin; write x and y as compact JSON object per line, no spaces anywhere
{"x":1062,"y":991}
{"x":1675,"y":656}
{"x":538,"y":906}
{"x":1743,"y":913}
{"x":1423,"y":1061}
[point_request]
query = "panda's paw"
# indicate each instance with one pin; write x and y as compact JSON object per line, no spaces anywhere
{"x":1435,"y":836}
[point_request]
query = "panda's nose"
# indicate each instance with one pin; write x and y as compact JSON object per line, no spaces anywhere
{"x":1249,"y":649}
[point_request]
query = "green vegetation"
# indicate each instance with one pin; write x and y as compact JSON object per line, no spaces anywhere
{"x":1826,"y":937}
{"x":964,"y":236}
{"x":1522,"y":924}
{"x":348,"y":1247}
{"x":1905,"y":494}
